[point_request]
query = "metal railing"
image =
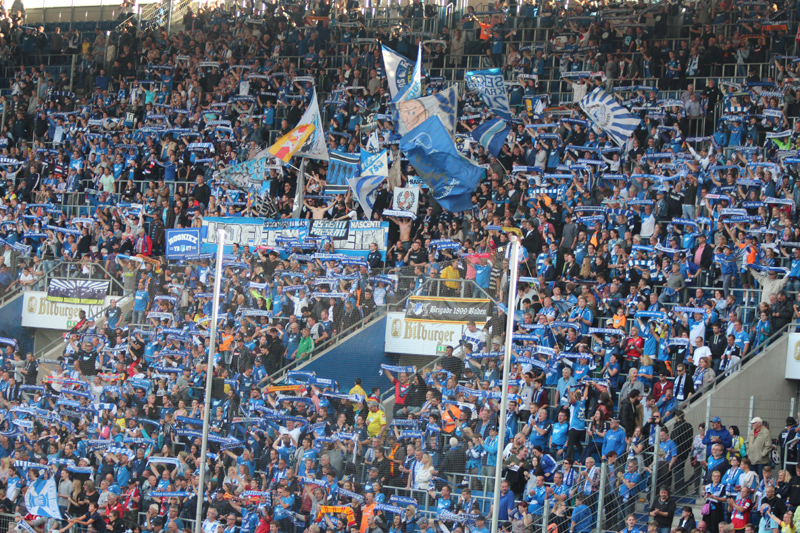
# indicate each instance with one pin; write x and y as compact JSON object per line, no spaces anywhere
{"x":707,"y":390}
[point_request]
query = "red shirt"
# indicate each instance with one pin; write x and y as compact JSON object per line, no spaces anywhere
{"x":741,"y":518}
{"x":631,"y":345}
{"x":400,"y":391}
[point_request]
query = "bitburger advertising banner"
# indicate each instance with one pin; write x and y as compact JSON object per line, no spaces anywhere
{"x":447,"y":310}
{"x":404,"y":336}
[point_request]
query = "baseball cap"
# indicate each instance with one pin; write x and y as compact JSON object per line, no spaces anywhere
{"x":717,"y":419}
{"x":756,"y":420}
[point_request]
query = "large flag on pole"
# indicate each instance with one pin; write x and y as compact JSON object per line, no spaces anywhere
{"x":492,"y":135}
{"x":42,"y":498}
{"x":616,"y":121}
{"x":398,"y":70}
{"x":412,"y":113}
{"x":288,"y":145}
{"x":490,"y":85}
{"x":374,"y":170}
{"x":413,"y":88}
{"x":314,"y":147}
{"x":450,"y":176}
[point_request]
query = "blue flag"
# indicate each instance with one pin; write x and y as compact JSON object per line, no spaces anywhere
{"x":374,"y":169}
{"x":398,"y":70}
{"x":492,"y":135}
{"x":490,"y":85}
{"x":451,"y":177}
{"x":413,"y":88}
{"x":342,"y":167}
{"x":42,"y":498}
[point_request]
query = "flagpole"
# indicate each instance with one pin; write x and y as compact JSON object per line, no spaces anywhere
{"x":513,"y":260}
{"x":209,"y":380}
{"x":299,"y":195}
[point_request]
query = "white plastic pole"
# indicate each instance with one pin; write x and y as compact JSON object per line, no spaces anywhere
{"x":513,"y":260}
{"x":198,"y":526}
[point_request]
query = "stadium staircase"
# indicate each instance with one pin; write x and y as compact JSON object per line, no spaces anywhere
{"x":52,"y":351}
{"x":358,"y":352}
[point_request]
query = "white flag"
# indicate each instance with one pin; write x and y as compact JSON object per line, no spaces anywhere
{"x":406,"y":199}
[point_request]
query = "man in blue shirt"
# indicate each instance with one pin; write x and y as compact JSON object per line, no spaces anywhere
{"x":536,"y":497}
{"x":670,"y":450}
{"x":141,"y":300}
{"x":614,"y":439}
{"x":717,"y":434}
{"x":581,"y":516}
{"x":506,"y":502}
{"x":547,"y":463}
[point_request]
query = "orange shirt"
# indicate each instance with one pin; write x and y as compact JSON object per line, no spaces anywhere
{"x":366,"y":512}
{"x":486,"y":31}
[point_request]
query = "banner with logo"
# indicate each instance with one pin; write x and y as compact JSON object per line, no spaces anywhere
{"x":39,"y":312}
{"x":42,"y":498}
{"x":451,"y":310}
{"x":404,"y":336}
{"x":406,"y":199}
{"x":254,"y":231}
{"x":182,"y":242}
{"x":78,"y":291}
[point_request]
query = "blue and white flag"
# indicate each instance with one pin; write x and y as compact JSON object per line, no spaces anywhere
{"x":492,"y":135}
{"x":342,"y":167}
{"x":374,"y":169}
{"x":412,"y":113}
{"x":609,"y":116}
{"x":450,"y":176}
{"x":398,"y":70}
{"x":314,"y":146}
{"x":490,"y":85}
{"x":413,"y":88}
{"x":42,"y":498}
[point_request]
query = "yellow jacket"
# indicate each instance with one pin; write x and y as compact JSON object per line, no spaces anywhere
{"x":450,"y":273}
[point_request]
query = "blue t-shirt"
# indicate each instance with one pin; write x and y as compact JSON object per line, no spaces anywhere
{"x":560,"y":433}
{"x":577,"y":415}
{"x":140,"y":300}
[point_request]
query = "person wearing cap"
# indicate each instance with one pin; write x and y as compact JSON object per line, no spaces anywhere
{"x":769,"y":282}
{"x":759,"y":444}
{"x":717,"y":434}
{"x":480,"y":525}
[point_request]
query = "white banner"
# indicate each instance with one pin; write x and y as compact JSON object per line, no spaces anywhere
{"x":39,"y":312}
{"x":406,"y":199}
{"x":420,"y":338}
{"x":793,"y":356}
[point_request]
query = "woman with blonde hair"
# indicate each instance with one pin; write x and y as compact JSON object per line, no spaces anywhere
{"x":423,"y":474}
{"x":704,"y":374}
{"x":5,"y":463}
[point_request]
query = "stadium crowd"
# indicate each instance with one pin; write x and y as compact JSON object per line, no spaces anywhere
{"x":648,"y":271}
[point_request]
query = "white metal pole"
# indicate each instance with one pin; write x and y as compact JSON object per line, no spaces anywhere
{"x":198,"y":526}
{"x":513,"y":261}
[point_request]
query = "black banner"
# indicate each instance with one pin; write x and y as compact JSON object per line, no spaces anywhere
{"x":335,"y":229}
{"x":453,"y":310}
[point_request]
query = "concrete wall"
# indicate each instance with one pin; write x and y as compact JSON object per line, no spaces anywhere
{"x":11,"y":324}
{"x":357,"y":356}
{"x":762,"y":379}
{"x":759,"y":389}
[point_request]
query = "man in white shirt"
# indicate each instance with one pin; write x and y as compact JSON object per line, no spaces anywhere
{"x":700,"y":350}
